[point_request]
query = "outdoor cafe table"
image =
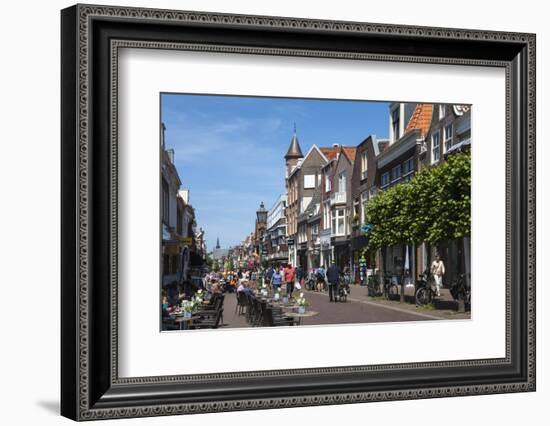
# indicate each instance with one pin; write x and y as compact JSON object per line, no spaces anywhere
{"x":306,"y":314}
{"x":184,"y":322}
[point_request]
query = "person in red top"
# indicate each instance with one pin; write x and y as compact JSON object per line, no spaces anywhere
{"x":290,"y":276}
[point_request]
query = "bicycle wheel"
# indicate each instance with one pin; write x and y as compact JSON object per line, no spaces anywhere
{"x":423,"y":296}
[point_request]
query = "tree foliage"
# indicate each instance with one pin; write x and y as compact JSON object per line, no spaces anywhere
{"x":434,"y":206}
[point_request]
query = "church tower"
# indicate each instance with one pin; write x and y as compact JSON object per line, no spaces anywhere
{"x":294,"y":153}
{"x":218,"y":242}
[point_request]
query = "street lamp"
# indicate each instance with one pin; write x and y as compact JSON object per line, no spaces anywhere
{"x":261,"y":222}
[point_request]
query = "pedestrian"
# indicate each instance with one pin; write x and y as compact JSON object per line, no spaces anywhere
{"x":276,"y":279}
{"x":290,"y":276}
{"x":438,"y":270}
{"x":320,"y":278}
{"x":300,"y":274}
{"x":268,"y":273}
{"x":333,"y":275}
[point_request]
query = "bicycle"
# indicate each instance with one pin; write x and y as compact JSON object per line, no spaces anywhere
{"x":391,"y":289}
{"x":373,"y":286}
{"x":460,"y":289}
{"x":425,"y":294}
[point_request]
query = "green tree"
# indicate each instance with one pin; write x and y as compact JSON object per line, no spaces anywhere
{"x":434,"y":206}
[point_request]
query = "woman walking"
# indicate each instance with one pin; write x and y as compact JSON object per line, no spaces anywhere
{"x":290,"y":276}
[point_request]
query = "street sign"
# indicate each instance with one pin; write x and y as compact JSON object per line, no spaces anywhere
{"x":186,"y":240}
{"x":290,"y":241}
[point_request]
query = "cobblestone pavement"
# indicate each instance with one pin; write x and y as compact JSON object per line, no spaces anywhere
{"x":358,"y":309}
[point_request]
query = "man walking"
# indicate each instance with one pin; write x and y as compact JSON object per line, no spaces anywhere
{"x":333,"y":275}
{"x":438,"y":270}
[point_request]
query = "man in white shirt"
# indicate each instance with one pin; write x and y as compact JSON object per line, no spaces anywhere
{"x":438,"y":270}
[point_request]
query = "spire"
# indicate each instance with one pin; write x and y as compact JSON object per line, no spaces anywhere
{"x":294,"y":150}
{"x":218,"y":242}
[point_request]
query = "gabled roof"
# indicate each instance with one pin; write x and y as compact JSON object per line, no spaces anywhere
{"x":331,"y":152}
{"x":350,"y":152}
{"x":302,"y":160}
{"x":421,"y":119}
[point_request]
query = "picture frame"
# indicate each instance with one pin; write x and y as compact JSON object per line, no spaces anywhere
{"x":90,"y":385}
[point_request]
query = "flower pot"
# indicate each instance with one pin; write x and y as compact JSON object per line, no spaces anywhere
{"x":187,"y":314}
{"x":301,"y":309}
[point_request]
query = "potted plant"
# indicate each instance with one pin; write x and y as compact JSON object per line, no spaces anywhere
{"x":187,"y":306}
{"x":198,"y":298}
{"x":301,"y":302}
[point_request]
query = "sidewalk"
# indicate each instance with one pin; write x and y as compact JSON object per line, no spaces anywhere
{"x":445,"y":307}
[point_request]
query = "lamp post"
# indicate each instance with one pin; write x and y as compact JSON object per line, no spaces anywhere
{"x":261,"y":221}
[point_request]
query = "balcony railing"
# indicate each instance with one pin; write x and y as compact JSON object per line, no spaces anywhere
{"x":338,"y":198}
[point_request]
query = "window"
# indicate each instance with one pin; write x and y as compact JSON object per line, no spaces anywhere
{"x":441,"y":111}
{"x":364,"y":200}
{"x":435,"y":147}
{"x":385,"y":180}
{"x":165,"y":202}
{"x":364,"y":165}
{"x":396,"y":173}
{"x":341,"y":222}
{"x":395,"y":123}
{"x":314,"y":231}
{"x":408,"y":169}
{"x":309,"y":181}
{"x":448,"y":137}
{"x":327,"y":183}
{"x":342,"y":182}
{"x":326,"y":216}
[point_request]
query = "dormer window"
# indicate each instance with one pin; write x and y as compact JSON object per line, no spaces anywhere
{"x":364,"y":165}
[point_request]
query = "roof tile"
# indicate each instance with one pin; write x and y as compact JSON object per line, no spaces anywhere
{"x":421,"y":119}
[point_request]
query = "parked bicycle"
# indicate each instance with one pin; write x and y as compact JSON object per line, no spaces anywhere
{"x":391,"y":289}
{"x":460,"y":289}
{"x":373,"y":286}
{"x":425,"y":292}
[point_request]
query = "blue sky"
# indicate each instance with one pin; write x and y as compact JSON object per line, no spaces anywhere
{"x":229,"y":150}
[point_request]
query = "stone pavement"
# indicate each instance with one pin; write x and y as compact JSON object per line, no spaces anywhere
{"x":358,"y":309}
{"x":445,"y":307}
